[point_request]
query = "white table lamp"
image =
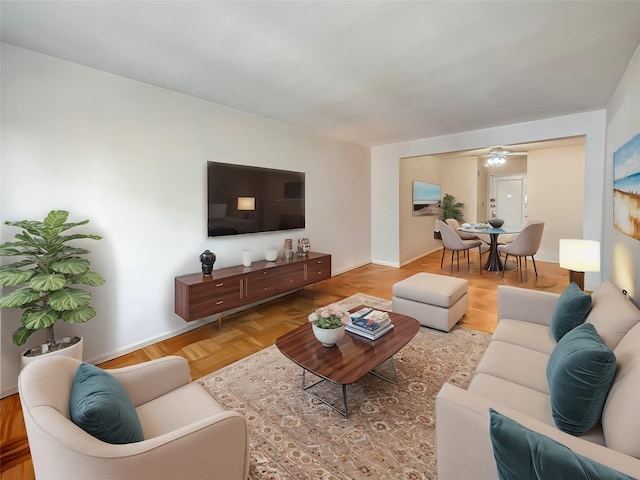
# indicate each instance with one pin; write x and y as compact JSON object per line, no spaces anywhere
{"x":579,"y":256}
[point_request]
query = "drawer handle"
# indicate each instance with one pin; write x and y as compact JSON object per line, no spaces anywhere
{"x":264,"y":273}
{"x":219,"y":284}
{"x":220,"y":302}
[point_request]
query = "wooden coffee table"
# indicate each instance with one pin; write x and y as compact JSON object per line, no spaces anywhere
{"x":350,"y":359}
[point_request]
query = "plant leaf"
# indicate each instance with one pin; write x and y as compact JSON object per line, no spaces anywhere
{"x":69,"y":299}
{"x":20,"y":298}
{"x":12,"y":277}
{"x":56,"y":218}
{"x":90,"y":278}
{"x":57,"y":251}
{"x":20,"y":264}
{"x":20,"y":336}
{"x":39,"y":318}
{"x":77,"y":236}
{"x":73,"y":266}
{"x":69,"y":251}
{"x":47,"y":282}
{"x":9,"y":251}
{"x":79,"y":315}
{"x":34,"y":227}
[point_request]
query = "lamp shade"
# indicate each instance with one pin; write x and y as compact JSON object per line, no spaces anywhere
{"x":246,"y":203}
{"x":580,"y":255}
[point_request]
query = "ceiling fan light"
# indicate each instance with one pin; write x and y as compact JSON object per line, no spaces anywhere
{"x":495,"y":160}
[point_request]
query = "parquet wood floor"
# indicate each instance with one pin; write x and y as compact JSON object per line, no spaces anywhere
{"x":244,"y":333}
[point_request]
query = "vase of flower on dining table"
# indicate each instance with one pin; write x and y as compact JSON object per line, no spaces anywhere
{"x":328,"y":324}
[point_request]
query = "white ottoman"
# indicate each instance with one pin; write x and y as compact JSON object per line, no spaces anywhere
{"x":436,"y":301}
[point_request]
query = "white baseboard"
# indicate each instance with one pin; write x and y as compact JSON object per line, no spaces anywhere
{"x":191,"y":326}
{"x":345,"y":270}
{"x":137,"y":346}
{"x":386,"y":264}
{"x":405,"y":262}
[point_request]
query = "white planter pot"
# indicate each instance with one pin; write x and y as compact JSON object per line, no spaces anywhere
{"x":73,"y":351}
{"x":328,"y":337}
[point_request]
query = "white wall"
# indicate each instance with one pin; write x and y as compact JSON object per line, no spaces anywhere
{"x":555,"y":188}
{"x":621,"y":255}
{"x":417,"y":230}
{"x":132,"y":158}
{"x":460,"y":178}
{"x":385,"y":240}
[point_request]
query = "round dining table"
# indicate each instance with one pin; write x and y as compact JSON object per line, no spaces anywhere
{"x":494,"y":262}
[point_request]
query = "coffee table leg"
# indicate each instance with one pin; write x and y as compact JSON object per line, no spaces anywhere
{"x":344,"y":401}
{"x":393,"y":379}
{"x":306,"y":388}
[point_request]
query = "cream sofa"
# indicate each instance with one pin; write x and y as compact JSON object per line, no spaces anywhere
{"x":511,"y":379}
{"x":187,"y":434}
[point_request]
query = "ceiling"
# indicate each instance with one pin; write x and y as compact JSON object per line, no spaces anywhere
{"x":369,"y":72}
{"x":521,"y":147}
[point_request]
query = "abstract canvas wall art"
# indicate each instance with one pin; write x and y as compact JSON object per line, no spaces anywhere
{"x":626,"y":188}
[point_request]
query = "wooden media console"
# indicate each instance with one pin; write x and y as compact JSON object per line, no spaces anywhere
{"x":198,"y":296}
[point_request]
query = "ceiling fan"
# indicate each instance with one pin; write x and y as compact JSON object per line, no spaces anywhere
{"x":498,"y":155}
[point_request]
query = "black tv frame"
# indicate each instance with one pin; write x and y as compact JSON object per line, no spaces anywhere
{"x":243,"y":199}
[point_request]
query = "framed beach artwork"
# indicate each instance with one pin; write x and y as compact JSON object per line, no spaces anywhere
{"x":626,"y":188}
{"x":425,"y":198}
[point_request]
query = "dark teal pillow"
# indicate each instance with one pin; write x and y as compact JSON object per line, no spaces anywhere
{"x":570,"y":311}
{"x":100,"y":406}
{"x":523,"y":454}
{"x":580,"y":371}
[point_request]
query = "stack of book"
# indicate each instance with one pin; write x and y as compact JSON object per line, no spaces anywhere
{"x":370,"y":323}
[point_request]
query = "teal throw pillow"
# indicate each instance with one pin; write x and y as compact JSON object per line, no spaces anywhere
{"x":523,"y":454}
{"x":100,"y":406}
{"x":570,"y":311}
{"x":579,"y":372}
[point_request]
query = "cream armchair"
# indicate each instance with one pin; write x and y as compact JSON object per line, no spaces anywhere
{"x":187,"y":433}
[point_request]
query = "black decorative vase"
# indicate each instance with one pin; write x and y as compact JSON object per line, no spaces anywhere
{"x":208,"y":259}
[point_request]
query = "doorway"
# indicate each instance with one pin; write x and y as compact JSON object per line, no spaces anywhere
{"x":508,"y":199}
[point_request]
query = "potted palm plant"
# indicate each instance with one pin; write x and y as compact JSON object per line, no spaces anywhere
{"x":48,"y":271}
{"x":450,"y":208}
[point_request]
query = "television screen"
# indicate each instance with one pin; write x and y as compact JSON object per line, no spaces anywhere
{"x":243,"y":199}
{"x":426,"y":198}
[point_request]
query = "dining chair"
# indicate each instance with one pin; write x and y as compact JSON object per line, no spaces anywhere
{"x":525,"y":244}
{"x":451,"y":241}
{"x":453,"y":223}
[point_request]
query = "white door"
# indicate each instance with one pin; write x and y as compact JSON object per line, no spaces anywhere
{"x":509,"y":200}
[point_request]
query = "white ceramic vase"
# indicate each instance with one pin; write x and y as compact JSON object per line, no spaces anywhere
{"x":328,"y":337}
{"x":73,"y":351}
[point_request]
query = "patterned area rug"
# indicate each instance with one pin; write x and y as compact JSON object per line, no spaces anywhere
{"x":390,"y":432}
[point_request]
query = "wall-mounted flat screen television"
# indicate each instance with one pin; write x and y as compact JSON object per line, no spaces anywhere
{"x":426,"y":198}
{"x":243,"y":199}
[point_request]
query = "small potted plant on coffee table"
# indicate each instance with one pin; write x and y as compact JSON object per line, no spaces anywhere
{"x":329,"y":323}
